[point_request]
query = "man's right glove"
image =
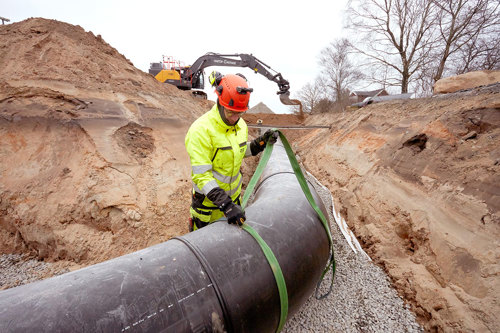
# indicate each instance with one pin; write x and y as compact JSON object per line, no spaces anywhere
{"x":259,"y":144}
{"x":233,"y":213}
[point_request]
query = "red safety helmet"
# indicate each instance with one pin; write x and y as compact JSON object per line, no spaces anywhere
{"x":233,"y":93}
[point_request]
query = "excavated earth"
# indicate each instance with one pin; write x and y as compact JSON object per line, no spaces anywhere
{"x":93,"y":166}
{"x":93,"y":163}
{"x":419,"y":183}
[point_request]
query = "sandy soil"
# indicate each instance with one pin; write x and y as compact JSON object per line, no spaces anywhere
{"x":418,"y":181}
{"x":92,"y":149}
{"x":93,"y":166}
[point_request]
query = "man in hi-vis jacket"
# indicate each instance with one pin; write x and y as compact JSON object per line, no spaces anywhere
{"x":217,"y":143}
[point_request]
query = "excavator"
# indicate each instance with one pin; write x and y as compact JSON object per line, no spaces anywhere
{"x":191,"y":77}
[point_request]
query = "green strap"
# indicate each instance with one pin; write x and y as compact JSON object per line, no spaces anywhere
{"x":271,"y":258}
{"x":307,"y":192}
{"x":278,"y":274}
{"x":268,"y":253}
{"x":256,"y":175}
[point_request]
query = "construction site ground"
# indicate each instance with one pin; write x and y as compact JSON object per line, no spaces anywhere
{"x":93,"y":166}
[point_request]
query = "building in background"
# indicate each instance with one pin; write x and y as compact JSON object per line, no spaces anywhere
{"x":260,"y":108}
{"x":360,"y":96}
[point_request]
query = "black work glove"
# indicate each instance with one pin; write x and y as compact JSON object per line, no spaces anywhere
{"x":259,"y":144}
{"x":233,"y":212}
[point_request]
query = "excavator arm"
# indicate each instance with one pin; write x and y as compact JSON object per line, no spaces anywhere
{"x":242,"y":60}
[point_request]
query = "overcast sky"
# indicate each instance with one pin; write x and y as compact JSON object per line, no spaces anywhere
{"x":286,"y":35}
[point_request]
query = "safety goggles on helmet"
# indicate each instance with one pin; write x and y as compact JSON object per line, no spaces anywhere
{"x":233,"y":93}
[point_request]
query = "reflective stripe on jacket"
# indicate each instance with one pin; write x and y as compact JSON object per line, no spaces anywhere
{"x":216,"y":151}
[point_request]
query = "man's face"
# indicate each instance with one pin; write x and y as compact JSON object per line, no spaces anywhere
{"x":232,"y":116}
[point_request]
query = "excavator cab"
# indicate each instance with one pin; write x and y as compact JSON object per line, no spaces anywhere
{"x":174,"y":72}
{"x":199,"y":81}
{"x":167,"y":71}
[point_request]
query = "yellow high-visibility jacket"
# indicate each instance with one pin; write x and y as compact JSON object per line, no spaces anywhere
{"x":216,"y":151}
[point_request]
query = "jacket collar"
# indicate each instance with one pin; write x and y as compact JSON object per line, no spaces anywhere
{"x":214,"y":113}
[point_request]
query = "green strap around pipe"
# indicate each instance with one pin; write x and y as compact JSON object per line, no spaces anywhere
{"x":271,"y":258}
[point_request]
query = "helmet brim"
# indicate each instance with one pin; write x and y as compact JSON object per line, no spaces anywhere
{"x":234,"y":110}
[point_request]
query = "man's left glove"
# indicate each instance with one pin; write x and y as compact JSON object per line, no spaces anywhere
{"x":259,"y":144}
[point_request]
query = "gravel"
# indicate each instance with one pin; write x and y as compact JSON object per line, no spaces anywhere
{"x":362,"y":299}
{"x":16,"y":270}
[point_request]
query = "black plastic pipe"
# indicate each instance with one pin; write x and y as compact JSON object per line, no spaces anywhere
{"x":211,"y":280}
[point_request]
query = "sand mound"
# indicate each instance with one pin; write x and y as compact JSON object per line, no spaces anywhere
{"x":40,"y":49}
{"x":418,"y":181}
{"x":92,"y":157}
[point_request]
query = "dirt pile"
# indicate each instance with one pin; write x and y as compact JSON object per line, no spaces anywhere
{"x":44,"y":50}
{"x":92,"y":152}
{"x":419,"y":183}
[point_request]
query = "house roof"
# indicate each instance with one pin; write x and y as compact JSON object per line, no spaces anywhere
{"x":260,"y":108}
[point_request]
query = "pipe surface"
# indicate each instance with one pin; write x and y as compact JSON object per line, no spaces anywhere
{"x":212,"y":280}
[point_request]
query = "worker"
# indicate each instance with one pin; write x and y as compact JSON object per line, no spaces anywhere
{"x":217,"y":143}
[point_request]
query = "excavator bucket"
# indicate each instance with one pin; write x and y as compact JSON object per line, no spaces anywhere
{"x":285,"y":99}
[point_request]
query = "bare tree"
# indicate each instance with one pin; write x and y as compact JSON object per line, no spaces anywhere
{"x":395,"y":35}
{"x":463,"y":26}
{"x":424,"y":83}
{"x":338,"y":71}
{"x":480,"y":54}
{"x":325,"y":105}
{"x":310,"y":94}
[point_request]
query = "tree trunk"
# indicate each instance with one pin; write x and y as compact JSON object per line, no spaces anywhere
{"x":404,"y":81}
{"x":446,"y":53}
